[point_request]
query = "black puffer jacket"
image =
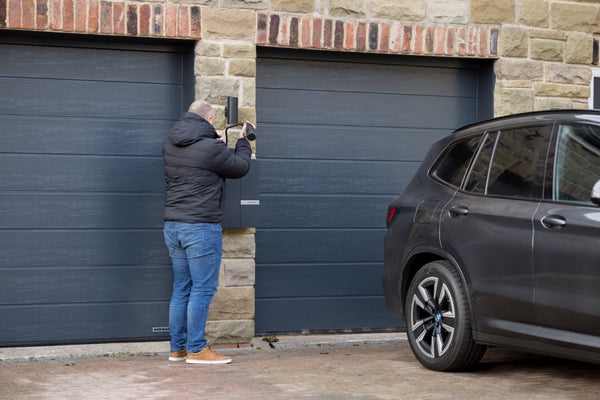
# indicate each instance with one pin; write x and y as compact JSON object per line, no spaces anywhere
{"x":196,"y":165}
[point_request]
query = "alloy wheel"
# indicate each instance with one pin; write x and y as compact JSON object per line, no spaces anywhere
{"x":433,"y":317}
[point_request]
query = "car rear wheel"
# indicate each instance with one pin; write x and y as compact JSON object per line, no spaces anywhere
{"x":438,"y":320}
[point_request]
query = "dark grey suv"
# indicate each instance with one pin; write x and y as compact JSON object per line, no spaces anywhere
{"x":496,"y":241}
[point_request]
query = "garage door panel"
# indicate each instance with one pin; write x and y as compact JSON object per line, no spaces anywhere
{"x":290,"y":280}
{"x":297,"y":140}
{"x":93,"y":99}
{"x":286,"y":315}
{"x":81,"y":173}
{"x":320,"y":211}
{"x":364,"y":78}
{"x":341,"y":135}
{"x":89,"y":64}
{"x":365,"y":110}
{"x":82,"y":123}
{"x":72,"y":135}
{"x":82,"y":247}
{"x":72,"y":323}
{"x":81,"y":211}
{"x":327,"y":177}
{"x":29,"y":286}
{"x":317,"y":246}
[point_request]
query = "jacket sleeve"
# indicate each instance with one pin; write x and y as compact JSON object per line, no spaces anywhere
{"x":229,"y":163}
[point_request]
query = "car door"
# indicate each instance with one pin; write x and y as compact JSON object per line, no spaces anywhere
{"x":487,"y":226}
{"x":567,"y":240}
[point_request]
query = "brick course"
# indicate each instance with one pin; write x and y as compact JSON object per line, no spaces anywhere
{"x":433,"y":39}
{"x":104,"y":17}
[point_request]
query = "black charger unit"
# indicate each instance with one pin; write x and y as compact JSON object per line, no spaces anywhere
{"x":241,"y":195}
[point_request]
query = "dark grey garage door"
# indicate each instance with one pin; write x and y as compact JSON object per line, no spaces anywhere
{"x":340,"y":136}
{"x":81,"y":187}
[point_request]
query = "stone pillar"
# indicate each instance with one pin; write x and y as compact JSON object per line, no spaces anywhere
{"x":225,"y":66}
{"x":231,"y":316}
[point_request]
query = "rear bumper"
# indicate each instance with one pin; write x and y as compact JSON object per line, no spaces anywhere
{"x":392,"y":254}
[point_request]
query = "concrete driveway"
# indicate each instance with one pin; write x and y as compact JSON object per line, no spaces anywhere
{"x":338,"y":368}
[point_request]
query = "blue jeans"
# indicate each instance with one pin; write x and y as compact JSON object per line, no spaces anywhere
{"x":195,"y":251}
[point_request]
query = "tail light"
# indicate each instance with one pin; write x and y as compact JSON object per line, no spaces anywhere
{"x":390,"y":215}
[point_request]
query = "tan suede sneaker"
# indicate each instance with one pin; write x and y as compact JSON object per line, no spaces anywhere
{"x":207,"y":356}
{"x":178,"y":355}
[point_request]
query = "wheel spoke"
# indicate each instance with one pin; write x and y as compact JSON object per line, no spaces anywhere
{"x":418,"y":302}
{"x":420,"y":313}
{"x":425,"y":294}
{"x":423,"y":337}
{"x":448,"y":319}
{"x":441,"y":297}
{"x":448,"y":328}
{"x":440,"y":342}
{"x":417,"y":324}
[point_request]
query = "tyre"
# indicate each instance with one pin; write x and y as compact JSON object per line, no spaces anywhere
{"x":438,"y":320}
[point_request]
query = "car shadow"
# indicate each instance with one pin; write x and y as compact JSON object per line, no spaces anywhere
{"x":499,"y":360}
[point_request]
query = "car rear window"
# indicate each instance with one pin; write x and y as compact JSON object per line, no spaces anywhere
{"x":454,"y":163}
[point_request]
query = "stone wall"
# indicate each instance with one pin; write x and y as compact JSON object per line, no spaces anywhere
{"x":544,"y":51}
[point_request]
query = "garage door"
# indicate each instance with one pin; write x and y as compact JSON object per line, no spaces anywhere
{"x":81,"y":187}
{"x":340,"y":136}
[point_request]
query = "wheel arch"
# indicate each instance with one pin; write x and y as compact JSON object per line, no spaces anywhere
{"x":424,"y":256}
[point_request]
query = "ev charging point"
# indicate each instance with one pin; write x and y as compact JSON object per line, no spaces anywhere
{"x":241,"y":195}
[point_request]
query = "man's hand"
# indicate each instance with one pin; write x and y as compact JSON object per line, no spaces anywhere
{"x":243,"y":132}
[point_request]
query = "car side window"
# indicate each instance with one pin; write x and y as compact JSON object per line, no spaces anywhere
{"x":517,"y":168}
{"x":577,"y":163}
{"x":454,"y":163}
{"x":517,"y":163}
{"x":476,"y":181}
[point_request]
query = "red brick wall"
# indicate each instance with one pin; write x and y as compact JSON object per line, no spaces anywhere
{"x":102,"y":17}
{"x":381,"y":37}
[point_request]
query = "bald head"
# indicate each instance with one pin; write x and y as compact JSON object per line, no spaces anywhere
{"x":203,"y":109}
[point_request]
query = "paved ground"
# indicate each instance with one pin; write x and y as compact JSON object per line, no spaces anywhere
{"x":363,"y":369}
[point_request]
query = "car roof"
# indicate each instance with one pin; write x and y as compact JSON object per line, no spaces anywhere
{"x":574,"y":116}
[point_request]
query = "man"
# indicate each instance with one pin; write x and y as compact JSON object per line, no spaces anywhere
{"x":197,"y":161}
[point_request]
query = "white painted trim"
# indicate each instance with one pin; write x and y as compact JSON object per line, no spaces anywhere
{"x":595,"y":74}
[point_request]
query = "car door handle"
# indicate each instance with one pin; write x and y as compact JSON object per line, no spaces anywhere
{"x":458,"y":211}
{"x":553,"y":221}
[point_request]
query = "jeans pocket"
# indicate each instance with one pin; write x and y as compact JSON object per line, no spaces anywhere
{"x":201,"y":240}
